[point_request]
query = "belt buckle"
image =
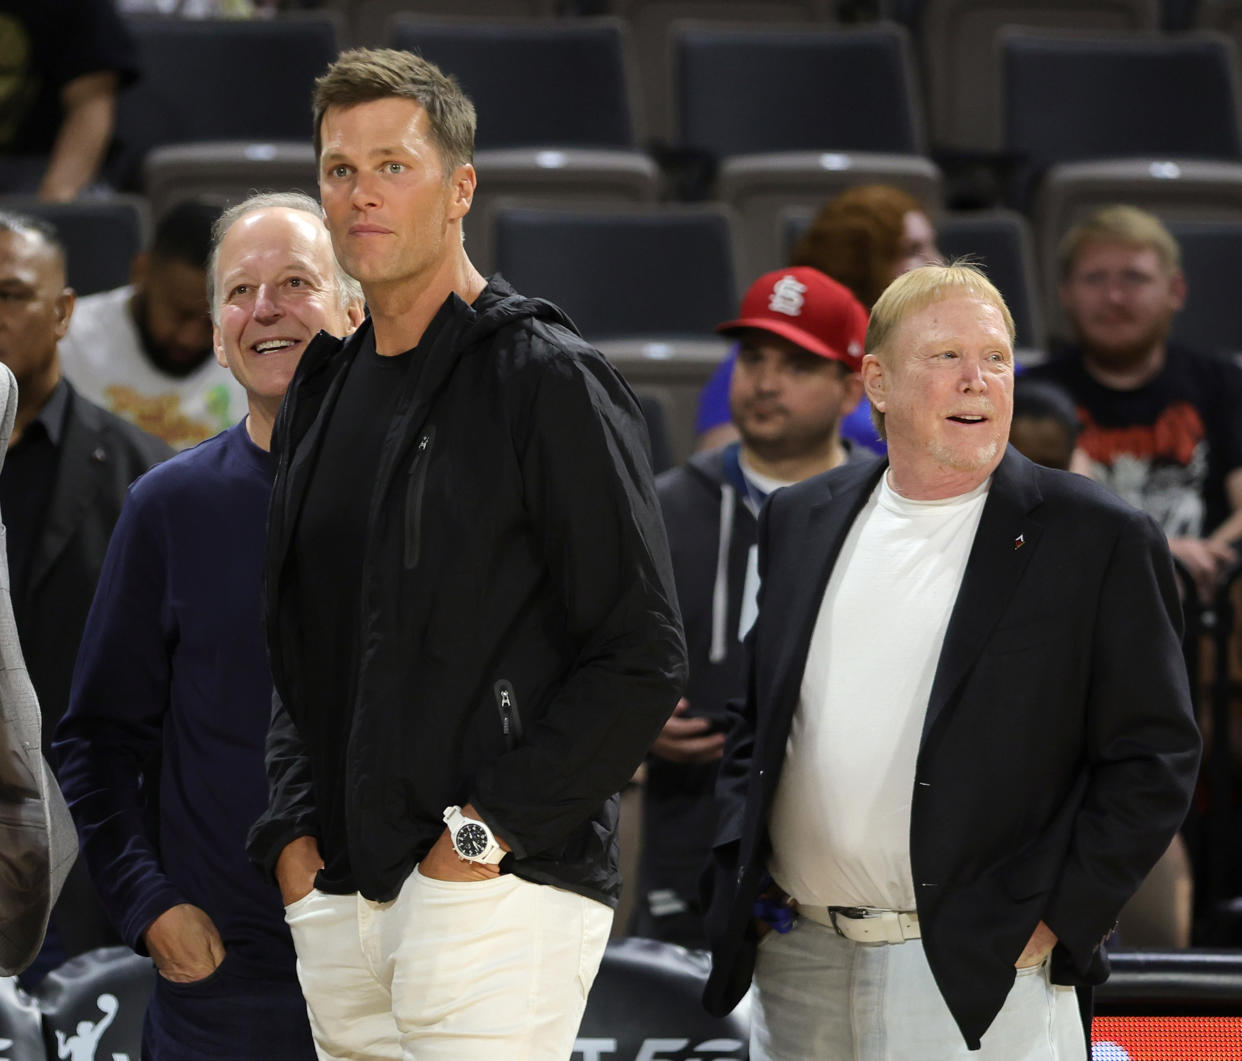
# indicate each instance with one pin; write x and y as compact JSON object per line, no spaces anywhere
{"x":854,"y":913}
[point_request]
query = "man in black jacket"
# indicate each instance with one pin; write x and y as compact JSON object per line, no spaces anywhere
{"x":471,"y":615}
{"x":967,"y":733}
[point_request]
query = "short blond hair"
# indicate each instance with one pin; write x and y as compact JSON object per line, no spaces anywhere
{"x":915,"y":291}
{"x":1120,"y":224}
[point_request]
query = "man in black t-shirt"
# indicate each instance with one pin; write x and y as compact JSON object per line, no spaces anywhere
{"x":1162,"y":425}
{"x":62,"y":63}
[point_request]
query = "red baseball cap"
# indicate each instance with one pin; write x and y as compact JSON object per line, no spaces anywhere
{"x":808,"y":308}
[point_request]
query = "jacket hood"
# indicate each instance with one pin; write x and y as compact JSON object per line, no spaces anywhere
{"x":498,"y":306}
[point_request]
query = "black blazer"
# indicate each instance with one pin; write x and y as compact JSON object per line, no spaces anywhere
{"x":1058,"y":750}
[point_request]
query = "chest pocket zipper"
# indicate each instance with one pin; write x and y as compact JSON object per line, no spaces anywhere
{"x":510,"y":719}
{"x":414,"y":498}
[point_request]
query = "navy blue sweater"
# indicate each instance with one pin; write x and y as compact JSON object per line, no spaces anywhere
{"x":172,"y":683}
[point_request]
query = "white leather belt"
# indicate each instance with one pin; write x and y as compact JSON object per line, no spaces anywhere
{"x":865,"y":925}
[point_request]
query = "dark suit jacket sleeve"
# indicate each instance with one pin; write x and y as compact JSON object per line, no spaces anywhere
{"x":110,"y":737}
{"x":1142,"y":743}
{"x":291,"y":803}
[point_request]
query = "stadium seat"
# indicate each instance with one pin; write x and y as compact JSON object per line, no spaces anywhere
{"x":370,"y":21}
{"x":535,"y":83}
{"x":761,"y":188}
{"x":101,"y":236}
{"x":662,"y":272}
{"x":652,"y":22}
{"x":1070,"y":99}
{"x":189,"y":90}
{"x":1211,"y":255}
{"x":227,"y":171}
{"x":574,"y":177}
{"x":741,"y":92}
{"x":957,"y":47}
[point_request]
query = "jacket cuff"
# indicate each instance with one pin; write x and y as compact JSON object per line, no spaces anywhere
{"x":269,"y":837}
{"x":139,"y":918}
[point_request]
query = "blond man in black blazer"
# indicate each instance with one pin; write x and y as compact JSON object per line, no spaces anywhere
{"x":966,"y":743}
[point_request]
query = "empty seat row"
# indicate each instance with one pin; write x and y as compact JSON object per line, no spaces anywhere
{"x":565,"y":86}
{"x":669,"y":273}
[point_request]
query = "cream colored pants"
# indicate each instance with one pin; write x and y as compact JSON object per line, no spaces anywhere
{"x":448,"y":971}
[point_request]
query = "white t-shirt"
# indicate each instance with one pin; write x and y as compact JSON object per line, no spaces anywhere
{"x":102,"y":357}
{"x":840,"y":821}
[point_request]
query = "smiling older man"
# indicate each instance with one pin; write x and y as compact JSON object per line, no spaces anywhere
{"x":173,"y":670}
{"x":968,"y":733}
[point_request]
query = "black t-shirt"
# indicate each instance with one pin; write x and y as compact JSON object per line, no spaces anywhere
{"x":1167,"y":446}
{"x":328,"y":549}
{"x":45,"y":44}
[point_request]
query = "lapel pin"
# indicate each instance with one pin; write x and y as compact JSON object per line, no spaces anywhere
{"x":1019,"y":541}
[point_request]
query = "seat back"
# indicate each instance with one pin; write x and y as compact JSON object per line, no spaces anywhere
{"x":101,"y":236}
{"x":1071,"y":98}
{"x":190,"y":89}
{"x":652,"y":23}
{"x":662,"y":272}
{"x":227,"y":171}
{"x":739,"y":92}
{"x":534,"y":83}
{"x":961,"y":64}
{"x":1211,"y":256}
{"x":761,"y":188}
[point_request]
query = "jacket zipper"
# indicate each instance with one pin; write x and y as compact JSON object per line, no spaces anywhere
{"x":510,"y":719}
{"x":414,"y":498}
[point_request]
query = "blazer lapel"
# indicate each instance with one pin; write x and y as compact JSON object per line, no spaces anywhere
{"x":1004,"y":543}
{"x":82,"y":458}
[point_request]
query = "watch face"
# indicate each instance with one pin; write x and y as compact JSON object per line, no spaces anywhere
{"x":471,"y":840}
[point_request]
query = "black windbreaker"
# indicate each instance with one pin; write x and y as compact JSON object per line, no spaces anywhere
{"x":520,"y":645}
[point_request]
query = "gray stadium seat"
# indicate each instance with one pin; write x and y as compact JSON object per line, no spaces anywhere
{"x":761,"y":188}
{"x":101,"y":236}
{"x":227,"y":171}
{"x":661,"y":272}
{"x":739,"y":92}
{"x":369,"y":20}
{"x":564,"y":83}
{"x":220,"y":79}
{"x":1211,"y":255}
{"x":961,"y":65}
{"x":652,"y":23}
{"x":1069,"y":99}
{"x":570,"y":177}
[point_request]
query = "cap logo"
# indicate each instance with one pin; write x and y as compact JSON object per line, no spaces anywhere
{"x":787,"y":297}
{"x":855,"y":348}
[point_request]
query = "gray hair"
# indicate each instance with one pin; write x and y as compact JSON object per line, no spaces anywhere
{"x":348,"y":290}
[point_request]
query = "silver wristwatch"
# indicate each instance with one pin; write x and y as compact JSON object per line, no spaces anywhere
{"x":472,"y":839}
